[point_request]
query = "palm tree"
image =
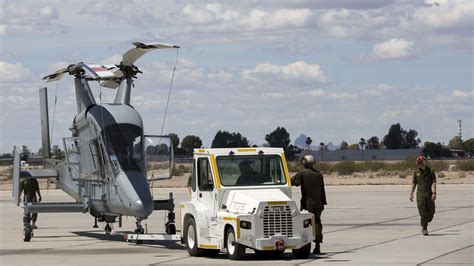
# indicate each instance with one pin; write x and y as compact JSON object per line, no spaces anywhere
{"x":362,"y":144}
{"x":308,"y":142}
{"x":322,"y":147}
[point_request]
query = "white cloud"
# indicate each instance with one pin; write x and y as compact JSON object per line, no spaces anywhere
{"x":316,"y":93}
{"x":298,"y":71}
{"x":211,"y":13}
{"x":276,"y":95}
{"x":393,"y":49}
{"x":23,"y":17}
{"x":281,"y":19}
{"x":390,"y":115}
{"x":342,"y":95}
{"x":379,"y":89}
{"x":349,"y":23}
{"x":446,"y":14}
{"x":460,"y":93}
{"x":220,"y":76}
{"x":13,"y":72}
{"x":429,"y":24}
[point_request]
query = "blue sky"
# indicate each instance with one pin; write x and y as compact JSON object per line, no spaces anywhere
{"x":332,"y":70}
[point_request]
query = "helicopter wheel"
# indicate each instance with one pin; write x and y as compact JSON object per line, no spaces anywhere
{"x":108,"y":229}
{"x":171,"y":229}
{"x":139,"y":231}
{"x":27,"y":234}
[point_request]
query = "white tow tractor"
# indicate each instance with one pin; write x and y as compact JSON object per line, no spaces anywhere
{"x":241,"y":198}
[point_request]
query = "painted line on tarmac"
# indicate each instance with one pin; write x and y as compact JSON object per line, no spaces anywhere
{"x":328,"y":255}
{"x":442,"y":255}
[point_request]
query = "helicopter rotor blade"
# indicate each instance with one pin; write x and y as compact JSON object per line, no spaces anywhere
{"x":56,"y":75}
{"x":132,"y":55}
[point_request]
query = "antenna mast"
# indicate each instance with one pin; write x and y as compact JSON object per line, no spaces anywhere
{"x":460,"y":129}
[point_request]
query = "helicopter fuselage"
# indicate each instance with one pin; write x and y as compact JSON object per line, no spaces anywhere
{"x":105,"y":165}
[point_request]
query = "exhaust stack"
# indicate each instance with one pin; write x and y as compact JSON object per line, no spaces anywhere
{"x":43,"y":93}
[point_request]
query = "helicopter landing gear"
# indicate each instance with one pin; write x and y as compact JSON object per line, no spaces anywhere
{"x":27,"y":228}
{"x":139,"y":229}
{"x":27,"y":233}
{"x":95,"y":223}
{"x":108,"y":229}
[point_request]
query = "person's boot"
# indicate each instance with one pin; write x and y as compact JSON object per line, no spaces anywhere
{"x":34,"y":226}
{"x":317,"y":249}
{"x":424,"y":231}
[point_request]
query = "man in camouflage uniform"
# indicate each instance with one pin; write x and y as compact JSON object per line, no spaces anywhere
{"x":425,"y":179}
{"x":29,"y":186}
{"x":313,"y":195}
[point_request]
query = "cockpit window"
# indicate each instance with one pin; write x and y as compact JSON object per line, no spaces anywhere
{"x":124,"y":145}
{"x":251,"y":170}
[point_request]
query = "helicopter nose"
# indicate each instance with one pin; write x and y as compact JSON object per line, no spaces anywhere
{"x":142,"y":208}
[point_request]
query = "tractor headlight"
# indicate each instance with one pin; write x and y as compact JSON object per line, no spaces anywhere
{"x":245,"y":225}
{"x":306,"y":223}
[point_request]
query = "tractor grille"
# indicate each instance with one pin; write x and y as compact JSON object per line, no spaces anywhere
{"x":277,"y":221}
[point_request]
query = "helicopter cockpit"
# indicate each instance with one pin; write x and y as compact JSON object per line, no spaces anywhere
{"x":124,"y":146}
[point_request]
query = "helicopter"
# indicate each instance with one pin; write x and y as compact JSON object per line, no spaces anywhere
{"x":107,"y":157}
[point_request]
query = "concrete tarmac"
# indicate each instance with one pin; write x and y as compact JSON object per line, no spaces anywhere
{"x":363,"y":225}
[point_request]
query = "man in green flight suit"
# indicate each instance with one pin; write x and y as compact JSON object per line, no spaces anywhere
{"x":425,"y":179}
{"x":29,"y":186}
{"x":313,"y":195}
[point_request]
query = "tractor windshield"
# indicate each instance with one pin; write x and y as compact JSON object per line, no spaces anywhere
{"x":251,"y":170}
{"x":124,"y":146}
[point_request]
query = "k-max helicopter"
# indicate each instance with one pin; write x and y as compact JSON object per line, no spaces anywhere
{"x":108,"y":162}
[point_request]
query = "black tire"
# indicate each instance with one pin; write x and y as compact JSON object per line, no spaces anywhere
{"x":303,"y":252}
{"x":190,"y":236}
{"x":27,"y":234}
{"x":171,"y":229}
{"x":235,"y":251}
{"x":212,"y":252}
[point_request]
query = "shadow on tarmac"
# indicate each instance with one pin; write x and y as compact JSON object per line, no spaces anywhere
{"x":286,"y":257}
{"x":118,"y":236}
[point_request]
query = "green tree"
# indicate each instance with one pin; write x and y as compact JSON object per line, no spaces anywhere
{"x":455,"y":143}
{"x":162,"y":149}
{"x":409,"y":139}
{"x":25,"y":153}
{"x":281,"y":138}
{"x":291,"y":152}
{"x":436,"y":150}
{"x":469,"y":145}
{"x":397,"y":138}
{"x":373,"y":143}
{"x":190,"y":143}
{"x":393,"y":140}
{"x":224,"y":139}
{"x":354,"y":147}
{"x":174,"y":140}
{"x":57,"y":153}
{"x":278,"y":138}
{"x":344,"y":145}
{"x":6,"y":155}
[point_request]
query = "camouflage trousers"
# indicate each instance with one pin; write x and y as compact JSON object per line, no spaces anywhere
{"x":426,"y":208}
